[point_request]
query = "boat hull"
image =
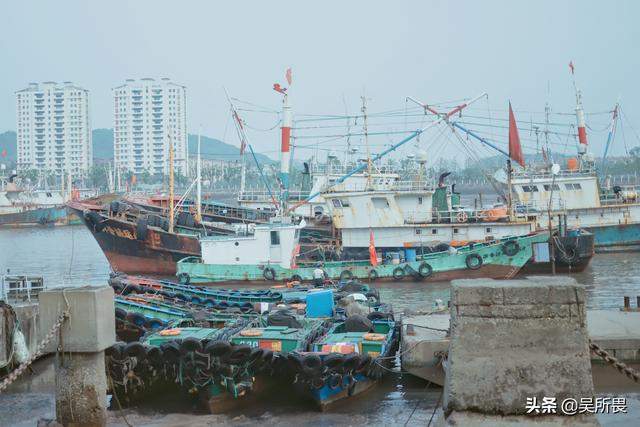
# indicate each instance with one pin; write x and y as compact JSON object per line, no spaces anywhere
{"x":156,"y":254}
{"x":444,"y":266}
{"x":616,"y":238}
{"x":53,"y":215}
{"x":581,"y":249}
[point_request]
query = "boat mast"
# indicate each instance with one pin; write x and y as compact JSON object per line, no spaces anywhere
{"x":198,"y":182}
{"x":582,"y":130}
{"x":170,"y":185}
{"x":243,"y":142}
{"x":366,"y":140}
{"x":612,"y":131}
{"x":285,"y":147}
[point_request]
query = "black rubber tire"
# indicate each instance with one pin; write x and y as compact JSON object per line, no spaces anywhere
{"x":115,"y":350}
{"x":333,"y":361}
{"x":137,"y":319}
{"x":312,"y":363}
{"x":142,"y":229}
{"x":267,"y":356}
{"x":184,"y":278}
{"x":170,"y":351}
{"x":256,"y":354}
{"x":218,"y":348}
{"x":95,"y":220}
{"x":471,"y":264}
{"x":190,"y":344}
{"x":365,"y":360}
{"x":510,"y":248}
{"x":120,"y":313}
{"x":296,"y":278}
{"x":294,"y":362}
{"x":351,"y":362}
{"x":334,"y":381}
{"x":398,"y":273}
{"x":373,"y":275}
{"x":239,"y":354}
{"x":425,"y":270}
{"x":154,"y":356}
{"x":269,"y":274}
{"x":135,"y":349}
{"x":569,"y":255}
{"x":155,"y":324}
{"x":346,"y":275}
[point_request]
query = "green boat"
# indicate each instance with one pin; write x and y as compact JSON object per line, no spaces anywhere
{"x":269,"y":255}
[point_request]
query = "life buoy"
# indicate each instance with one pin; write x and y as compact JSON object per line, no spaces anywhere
{"x":473,"y":261}
{"x":373,"y":275}
{"x":398,"y":273}
{"x":425,"y":270}
{"x":462,"y":216}
{"x":251,"y":332}
{"x":346,"y":275}
{"x":269,"y":273}
{"x":373,"y":337}
{"x":170,"y":332}
{"x":510,"y":248}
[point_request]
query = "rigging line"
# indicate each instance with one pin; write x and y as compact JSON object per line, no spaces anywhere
{"x":258,"y":111}
{"x":264,"y":130}
{"x":355,"y":134}
{"x":254,"y":105}
{"x":630,"y":125}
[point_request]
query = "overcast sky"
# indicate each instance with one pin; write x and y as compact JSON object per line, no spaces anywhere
{"x":432,"y":50}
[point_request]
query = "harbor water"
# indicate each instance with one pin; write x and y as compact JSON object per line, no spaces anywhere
{"x":69,"y":256}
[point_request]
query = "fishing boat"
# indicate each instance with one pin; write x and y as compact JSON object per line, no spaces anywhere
{"x":270,"y":254}
{"x":349,"y":360}
{"x":23,"y":207}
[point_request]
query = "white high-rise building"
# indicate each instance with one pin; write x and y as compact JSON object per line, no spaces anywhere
{"x":148,"y":114}
{"x":54,"y":131}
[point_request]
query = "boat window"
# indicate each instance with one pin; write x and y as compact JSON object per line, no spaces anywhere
{"x":419,"y":200}
{"x":345,"y":203}
{"x":526,"y":189}
{"x":418,"y":231}
{"x":488,"y":230}
{"x":380,"y":202}
{"x":547,"y":187}
{"x":534,"y":188}
{"x":434,"y":231}
{"x":456,"y":231}
{"x":48,"y":194}
{"x":577,"y":186}
{"x":336,"y":203}
{"x":275,"y":238}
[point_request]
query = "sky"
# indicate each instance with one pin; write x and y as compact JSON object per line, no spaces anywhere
{"x":338,"y":51}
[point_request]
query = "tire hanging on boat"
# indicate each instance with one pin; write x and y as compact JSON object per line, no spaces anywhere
{"x":425,"y":270}
{"x":568,"y":254}
{"x":373,"y":275}
{"x":510,"y":248}
{"x":346,"y":275}
{"x":269,"y":273}
{"x":398,"y":273}
{"x":473,"y":261}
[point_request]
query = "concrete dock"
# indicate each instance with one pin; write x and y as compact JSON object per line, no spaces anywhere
{"x":616,"y":331}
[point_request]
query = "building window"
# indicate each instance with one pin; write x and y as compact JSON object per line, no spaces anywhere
{"x":275,"y":238}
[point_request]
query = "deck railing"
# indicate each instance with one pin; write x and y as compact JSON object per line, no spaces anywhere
{"x":15,"y":288}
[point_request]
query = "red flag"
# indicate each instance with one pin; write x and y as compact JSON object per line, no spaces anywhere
{"x":515,"y":150}
{"x":278,"y":88}
{"x":571,"y":66}
{"x":373,"y":256}
{"x":4,"y":152}
{"x":288,"y":75}
{"x":294,"y":255}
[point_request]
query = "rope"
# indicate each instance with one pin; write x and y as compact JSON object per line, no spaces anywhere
{"x":39,"y":350}
{"x":631,"y":373}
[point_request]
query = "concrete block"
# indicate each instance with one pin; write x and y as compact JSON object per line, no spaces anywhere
{"x":484,"y":293}
{"x":503,"y":353}
{"x":81,"y":384}
{"x":91,"y":326}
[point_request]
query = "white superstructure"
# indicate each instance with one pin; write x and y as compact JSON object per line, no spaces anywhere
{"x":150,"y":114}
{"x":53,"y":129}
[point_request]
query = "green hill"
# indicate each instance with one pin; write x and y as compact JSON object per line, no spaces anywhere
{"x":103,"y":147}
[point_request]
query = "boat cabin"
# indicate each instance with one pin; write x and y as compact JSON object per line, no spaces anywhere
{"x":273,"y":243}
